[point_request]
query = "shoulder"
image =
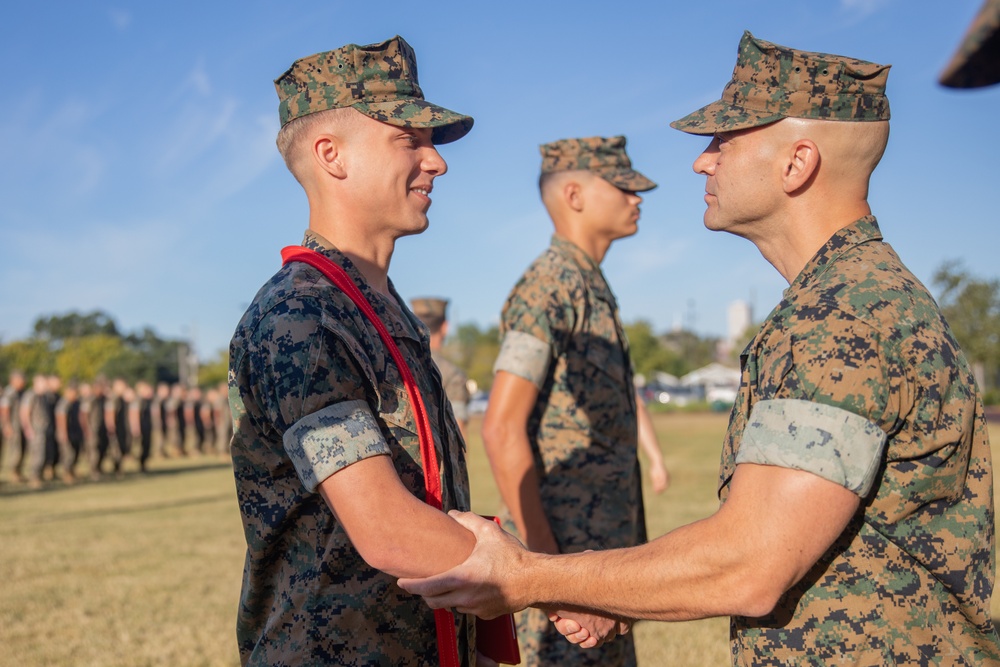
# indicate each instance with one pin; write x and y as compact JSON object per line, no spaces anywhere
{"x":293,"y":307}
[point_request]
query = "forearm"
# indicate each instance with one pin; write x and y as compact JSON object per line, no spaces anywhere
{"x":648,"y":441}
{"x":688,"y":574}
{"x":393,"y":530}
{"x":513,"y":466}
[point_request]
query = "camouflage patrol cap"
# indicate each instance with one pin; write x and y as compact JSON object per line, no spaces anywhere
{"x":771,"y":82}
{"x":379,"y":80}
{"x":431,"y":311}
{"x":977,"y":61}
{"x":604,"y":157}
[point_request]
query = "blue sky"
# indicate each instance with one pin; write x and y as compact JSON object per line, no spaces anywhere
{"x":139,"y":173}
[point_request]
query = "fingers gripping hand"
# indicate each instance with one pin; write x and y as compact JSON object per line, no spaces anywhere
{"x":587,"y":630}
{"x":480,"y":585}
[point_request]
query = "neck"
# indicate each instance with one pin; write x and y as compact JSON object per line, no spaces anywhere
{"x":369,"y":250}
{"x":595,"y":247}
{"x":789,"y":243}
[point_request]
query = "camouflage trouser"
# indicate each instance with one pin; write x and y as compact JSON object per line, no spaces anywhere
{"x":36,"y":457}
{"x":97,"y":449}
{"x":541,"y":644}
{"x":69,"y":453}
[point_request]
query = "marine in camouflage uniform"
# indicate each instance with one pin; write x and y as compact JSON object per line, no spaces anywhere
{"x":433,"y":313}
{"x":10,"y":422}
{"x":316,"y":399}
{"x":562,"y":334}
{"x":857,"y":517}
{"x":855,"y":377}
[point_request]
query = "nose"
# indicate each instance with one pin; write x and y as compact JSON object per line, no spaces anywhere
{"x":432,"y":162}
{"x":705,"y":163}
{"x":636,"y":198}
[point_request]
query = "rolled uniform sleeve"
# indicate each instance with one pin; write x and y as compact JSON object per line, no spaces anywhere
{"x":828,"y":405}
{"x":525,"y":356}
{"x":316,"y":385}
{"x":536,"y":324}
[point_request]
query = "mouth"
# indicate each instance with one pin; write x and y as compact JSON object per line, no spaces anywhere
{"x":423,"y":191}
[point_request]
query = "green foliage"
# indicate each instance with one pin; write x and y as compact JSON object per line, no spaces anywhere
{"x":81,"y":347}
{"x":649,"y":355}
{"x":83,"y":359}
{"x":28,"y":356}
{"x":216,"y":371}
{"x":474,"y":351}
{"x":972,"y":308}
{"x":75,"y":325}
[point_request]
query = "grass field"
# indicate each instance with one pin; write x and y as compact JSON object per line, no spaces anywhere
{"x":146,"y":570}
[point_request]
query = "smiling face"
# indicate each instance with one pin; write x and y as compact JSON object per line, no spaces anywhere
{"x":742,"y":179}
{"x":390,"y":174}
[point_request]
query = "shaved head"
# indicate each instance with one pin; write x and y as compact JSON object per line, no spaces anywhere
{"x":293,"y":139}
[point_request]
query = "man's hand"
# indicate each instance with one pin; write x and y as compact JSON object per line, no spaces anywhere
{"x":587,"y":630}
{"x":482,"y":584}
{"x":659,"y":476}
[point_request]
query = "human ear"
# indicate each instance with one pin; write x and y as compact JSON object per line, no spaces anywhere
{"x":326,"y":152}
{"x":801,"y":166}
{"x":573,"y":194}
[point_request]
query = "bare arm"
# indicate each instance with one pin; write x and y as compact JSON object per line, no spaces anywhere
{"x":393,"y":530}
{"x":659,"y":476}
{"x":505,"y":437}
{"x":775,"y":525}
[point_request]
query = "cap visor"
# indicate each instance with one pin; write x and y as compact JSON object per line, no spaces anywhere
{"x":721,"y":116}
{"x":447,"y":125}
{"x":628,"y":179}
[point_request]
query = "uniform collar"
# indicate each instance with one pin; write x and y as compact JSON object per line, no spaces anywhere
{"x":400,"y":322}
{"x":590,"y":269}
{"x":860,"y":231}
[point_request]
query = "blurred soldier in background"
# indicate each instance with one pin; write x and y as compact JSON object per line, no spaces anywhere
{"x":10,"y":422}
{"x":140,"y":414}
{"x":97,"y":429}
{"x":178,"y":396}
{"x":116,"y":421}
{"x":158,"y":413}
{"x":69,"y":432}
{"x":53,"y":392}
{"x":223,"y":417}
{"x":34,"y":414}
{"x":433,"y":313}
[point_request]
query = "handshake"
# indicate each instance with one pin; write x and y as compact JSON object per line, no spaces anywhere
{"x":501,"y":576}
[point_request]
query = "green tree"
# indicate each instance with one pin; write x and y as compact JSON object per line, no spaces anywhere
{"x":28,"y":356}
{"x":57,"y":328}
{"x":474,"y":351}
{"x":215,"y":371}
{"x":972,"y":308}
{"x":85,"y":358}
{"x":648,"y":352}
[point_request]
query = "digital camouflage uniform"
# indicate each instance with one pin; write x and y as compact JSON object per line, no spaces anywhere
{"x":583,"y":429}
{"x":14,"y":440}
{"x":561,"y":331}
{"x":456,"y":385}
{"x":313,"y":390}
{"x":433,"y":312}
{"x":856,"y":377}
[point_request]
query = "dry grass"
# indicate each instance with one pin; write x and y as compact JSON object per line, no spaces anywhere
{"x":146,"y":570}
